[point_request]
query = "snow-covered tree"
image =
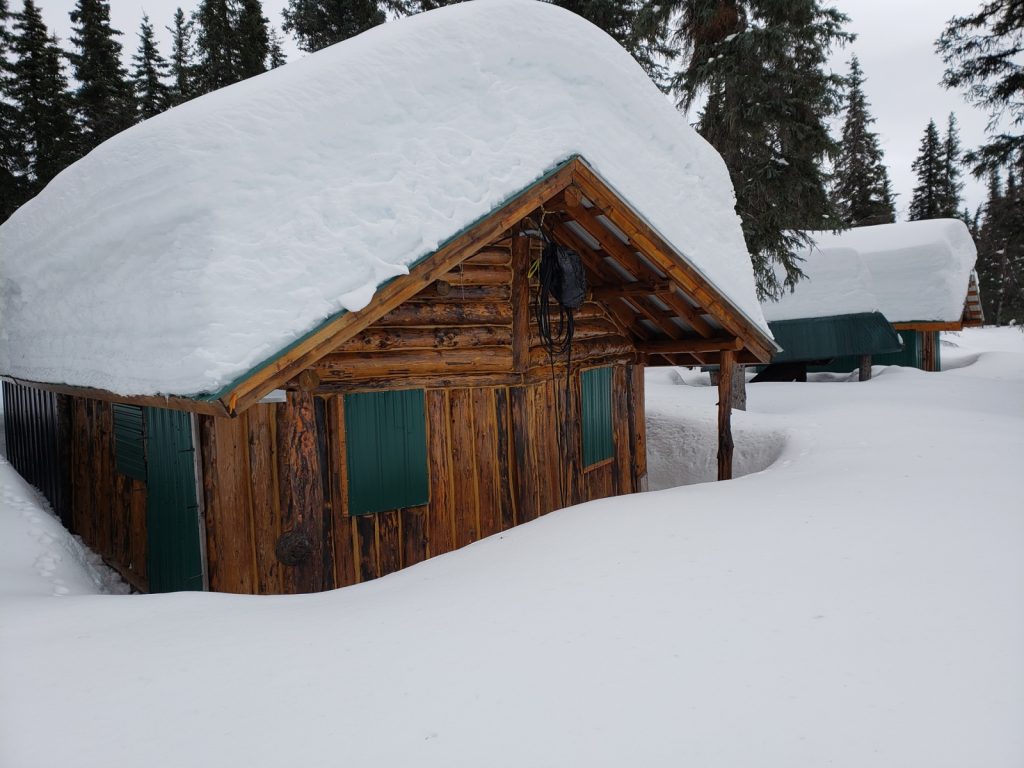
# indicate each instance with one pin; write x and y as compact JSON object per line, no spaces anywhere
{"x":104,"y":100}
{"x":930,"y":195}
{"x":39,"y":89}
{"x":762,"y":66}
{"x":149,"y":76}
{"x":982,"y":52}
{"x":861,"y":188}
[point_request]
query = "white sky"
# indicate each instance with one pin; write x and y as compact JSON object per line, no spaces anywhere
{"x":895,"y":43}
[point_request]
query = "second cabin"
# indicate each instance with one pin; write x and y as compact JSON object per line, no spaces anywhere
{"x":222,"y":440}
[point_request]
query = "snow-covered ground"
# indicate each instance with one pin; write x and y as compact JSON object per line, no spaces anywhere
{"x":858,"y":600}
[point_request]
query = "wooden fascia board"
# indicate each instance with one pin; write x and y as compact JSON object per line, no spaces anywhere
{"x":929,"y":326}
{"x":310,"y":349}
{"x":665,"y":257}
{"x":172,"y":402}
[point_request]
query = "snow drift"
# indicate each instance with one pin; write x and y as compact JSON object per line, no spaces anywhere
{"x":186,"y":250}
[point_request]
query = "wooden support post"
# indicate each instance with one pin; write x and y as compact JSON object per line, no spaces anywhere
{"x":520,"y":300}
{"x":865,"y":368}
{"x":739,"y":388}
{"x":725,"y":445}
{"x":929,"y":350}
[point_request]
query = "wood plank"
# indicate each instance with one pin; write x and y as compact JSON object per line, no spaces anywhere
{"x":683,"y":346}
{"x":638,"y":425}
{"x":440,"y":511}
{"x":306,"y":352}
{"x":524,"y":463}
{"x":622,"y":474}
{"x":389,"y":541}
{"x":464,"y":468}
{"x":210,"y":408}
{"x":954,"y":326}
{"x":505,"y":458}
{"x":346,"y":563}
{"x":485,"y":432}
{"x":414,"y":535}
{"x":638,"y":288}
{"x":520,"y":300}
{"x":366,"y":546}
{"x":725,"y":443}
{"x":265,"y":495}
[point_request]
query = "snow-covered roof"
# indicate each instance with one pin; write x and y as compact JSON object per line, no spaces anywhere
{"x":836,"y":282}
{"x":198,"y":244}
{"x":919,"y":269}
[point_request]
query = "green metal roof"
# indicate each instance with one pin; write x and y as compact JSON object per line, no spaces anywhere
{"x":822,"y":338}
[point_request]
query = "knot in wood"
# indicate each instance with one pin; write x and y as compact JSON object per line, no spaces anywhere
{"x":293,"y":548}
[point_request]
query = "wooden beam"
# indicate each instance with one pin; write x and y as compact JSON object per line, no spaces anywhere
{"x":689,"y":346}
{"x":725,"y":444}
{"x":520,"y":299}
{"x":343,"y":326}
{"x":639,"y":288}
{"x":660,"y":253}
{"x":864,"y":369}
{"x":172,"y":402}
{"x":954,"y":326}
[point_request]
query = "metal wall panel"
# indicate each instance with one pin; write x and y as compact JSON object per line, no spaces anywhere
{"x":32,"y":431}
{"x":596,"y":404}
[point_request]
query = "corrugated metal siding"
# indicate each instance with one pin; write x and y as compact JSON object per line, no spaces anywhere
{"x":820,"y":338}
{"x":32,"y":430}
{"x":129,"y":440}
{"x":596,"y":403}
{"x":386,"y":447}
{"x":174,"y":552}
{"x":909,"y":356}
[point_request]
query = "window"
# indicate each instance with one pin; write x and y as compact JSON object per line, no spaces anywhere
{"x":386,"y":447}
{"x":129,"y":440}
{"x":597,"y":415}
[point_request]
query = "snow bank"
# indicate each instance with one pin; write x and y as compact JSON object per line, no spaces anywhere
{"x":919,"y":269}
{"x":837,"y":282}
{"x":192,"y":247}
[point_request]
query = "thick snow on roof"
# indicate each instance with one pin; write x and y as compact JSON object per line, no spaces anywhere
{"x":836,"y":282}
{"x":919,"y":269}
{"x":188,"y":249}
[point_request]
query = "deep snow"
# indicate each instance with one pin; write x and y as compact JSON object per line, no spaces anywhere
{"x":193,"y":246}
{"x":860,"y":602}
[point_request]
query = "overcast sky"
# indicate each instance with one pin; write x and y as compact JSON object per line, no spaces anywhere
{"x":895,"y":43}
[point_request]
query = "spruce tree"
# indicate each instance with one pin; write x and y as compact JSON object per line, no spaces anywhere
{"x":183,"y":74}
{"x":1000,"y":262}
{"x":252,"y":39}
{"x":319,"y":23}
{"x":931,"y":193}
{"x":13,"y":160}
{"x":761,"y":64}
{"x":951,"y":184}
{"x":45,"y":107}
{"x":152,"y":92}
{"x":216,"y":66}
{"x":275,"y":55}
{"x":982,"y":53}
{"x":104,"y":100}
{"x":862,"y":191}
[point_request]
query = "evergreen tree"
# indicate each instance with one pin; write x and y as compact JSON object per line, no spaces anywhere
{"x":1000,"y":264}
{"x":182,"y":63}
{"x":275,"y":56}
{"x":320,"y":23}
{"x":252,"y":39}
{"x":216,"y":66}
{"x":862,"y":191}
{"x":39,"y":90}
{"x":153,"y":94}
{"x":762,"y":65}
{"x":951,"y":184}
{"x":931,"y":193}
{"x":12,"y":144}
{"x":982,"y":54}
{"x":104,"y":100}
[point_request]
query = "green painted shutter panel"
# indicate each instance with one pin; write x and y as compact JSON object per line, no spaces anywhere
{"x":174,"y":558}
{"x":386,"y":447}
{"x":596,"y":388}
{"x":129,"y":440}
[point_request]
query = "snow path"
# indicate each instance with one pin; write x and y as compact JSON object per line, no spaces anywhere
{"x":858,"y":603}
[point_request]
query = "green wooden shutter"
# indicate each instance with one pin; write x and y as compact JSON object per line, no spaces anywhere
{"x":596,"y":388}
{"x":386,"y":447}
{"x":129,"y":441}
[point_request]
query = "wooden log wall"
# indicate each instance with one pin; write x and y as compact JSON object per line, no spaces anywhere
{"x":108,"y":509}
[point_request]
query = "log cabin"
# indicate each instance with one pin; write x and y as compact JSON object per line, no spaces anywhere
{"x":296,"y":368}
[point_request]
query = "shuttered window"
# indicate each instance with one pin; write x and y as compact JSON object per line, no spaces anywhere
{"x":596,"y":390}
{"x":386,"y":447}
{"x":129,"y":440}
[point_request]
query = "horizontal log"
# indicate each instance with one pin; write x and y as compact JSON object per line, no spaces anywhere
{"x":491,"y":256}
{"x":954,"y":326}
{"x":209,"y":408}
{"x":542,"y":373}
{"x":451,"y":292}
{"x":587,"y":348}
{"x":376,"y":339}
{"x":349,"y":366}
{"x":443,"y":313}
{"x":687,"y":346}
{"x":479,"y":275}
{"x":424,"y":381}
